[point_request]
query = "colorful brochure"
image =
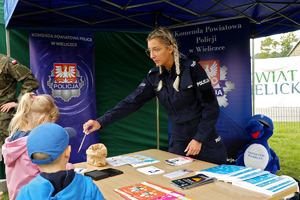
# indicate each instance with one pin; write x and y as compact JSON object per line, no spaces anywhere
{"x":221,"y":171}
{"x":143,"y":191}
{"x":170,"y":196}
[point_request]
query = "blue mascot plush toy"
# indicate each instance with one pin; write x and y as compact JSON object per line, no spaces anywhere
{"x":257,"y":153}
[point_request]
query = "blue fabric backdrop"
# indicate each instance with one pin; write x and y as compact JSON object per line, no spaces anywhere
{"x":53,"y":56}
{"x":226,"y":46}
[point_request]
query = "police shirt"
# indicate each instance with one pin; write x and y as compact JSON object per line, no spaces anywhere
{"x":195,"y":99}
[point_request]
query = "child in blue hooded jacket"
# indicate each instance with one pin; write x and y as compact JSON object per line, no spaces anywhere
{"x":48,"y":147}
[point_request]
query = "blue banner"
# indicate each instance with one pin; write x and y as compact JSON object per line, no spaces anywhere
{"x":224,"y":50}
{"x":63,"y":63}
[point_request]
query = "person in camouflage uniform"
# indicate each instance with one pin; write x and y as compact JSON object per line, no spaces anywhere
{"x":11,"y":72}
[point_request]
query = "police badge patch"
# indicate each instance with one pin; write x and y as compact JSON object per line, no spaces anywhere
{"x":65,"y":81}
{"x":218,"y":80}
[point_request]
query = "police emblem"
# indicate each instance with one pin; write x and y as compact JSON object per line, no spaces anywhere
{"x":212,"y":69}
{"x":65,"y":81}
{"x":65,"y":73}
{"x":217,"y":76}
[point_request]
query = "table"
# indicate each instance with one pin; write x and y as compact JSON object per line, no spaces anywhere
{"x":214,"y":190}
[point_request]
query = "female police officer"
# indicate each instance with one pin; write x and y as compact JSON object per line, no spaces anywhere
{"x":183,"y":88}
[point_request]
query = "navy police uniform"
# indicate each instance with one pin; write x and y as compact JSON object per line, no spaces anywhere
{"x":193,"y":111}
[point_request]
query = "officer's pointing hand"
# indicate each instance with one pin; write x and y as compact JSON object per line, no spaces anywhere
{"x":91,"y":123}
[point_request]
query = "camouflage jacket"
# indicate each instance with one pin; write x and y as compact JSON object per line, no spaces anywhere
{"x":11,"y":72}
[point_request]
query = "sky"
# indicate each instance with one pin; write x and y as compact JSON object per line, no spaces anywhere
{"x":275,"y":37}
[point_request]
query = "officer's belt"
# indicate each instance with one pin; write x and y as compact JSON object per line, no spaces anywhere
{"x":189,"y":122}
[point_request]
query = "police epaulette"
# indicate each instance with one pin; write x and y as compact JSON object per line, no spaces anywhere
{"x":190,"y":63}
{"x":155,"y":69}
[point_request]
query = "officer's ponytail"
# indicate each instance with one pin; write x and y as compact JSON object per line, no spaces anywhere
{"x":176,"y":56}
{"x":166,"y":37}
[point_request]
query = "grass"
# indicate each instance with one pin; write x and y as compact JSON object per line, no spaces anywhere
{"x":286,"y":146}
{"x":285,"y":143}
{"x":287,"y":127}
{"x":5,"y":196}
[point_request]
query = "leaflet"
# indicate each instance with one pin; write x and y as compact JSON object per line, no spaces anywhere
{"x":178,"y":173}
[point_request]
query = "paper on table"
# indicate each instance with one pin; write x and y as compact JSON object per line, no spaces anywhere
{"x":178,"y":173}
{"x":138,"y":160}
{"x":114,"y":161}
{"x":150,"y":170}
{"x":80,"y":170}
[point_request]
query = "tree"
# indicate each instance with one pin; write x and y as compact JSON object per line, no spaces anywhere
{"x":271,"y":48}
{"x":285,"y":43}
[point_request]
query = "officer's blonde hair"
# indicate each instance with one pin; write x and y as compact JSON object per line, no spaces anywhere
{"x":31,"y":110}
{"x":166,"y":37}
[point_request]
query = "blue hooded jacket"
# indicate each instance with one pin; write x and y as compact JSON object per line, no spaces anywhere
{"x":81,"y":187}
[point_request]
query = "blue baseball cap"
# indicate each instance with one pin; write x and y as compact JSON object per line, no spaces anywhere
{"x":50,"y":139}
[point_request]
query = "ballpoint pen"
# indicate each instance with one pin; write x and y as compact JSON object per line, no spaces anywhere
{"x":82,"y":142}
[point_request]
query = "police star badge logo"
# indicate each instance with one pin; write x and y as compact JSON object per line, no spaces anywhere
{"x":217,"y":76}
{"x":65,"y":81}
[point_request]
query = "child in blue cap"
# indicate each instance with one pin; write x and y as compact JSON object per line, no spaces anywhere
{"x":48,"y":147}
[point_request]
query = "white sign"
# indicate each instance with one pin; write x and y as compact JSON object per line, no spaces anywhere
{"x":277,"y":82}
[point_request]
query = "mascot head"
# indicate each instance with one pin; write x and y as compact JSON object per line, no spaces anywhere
{"x":260,"y":126}
{"x":257,"y":153}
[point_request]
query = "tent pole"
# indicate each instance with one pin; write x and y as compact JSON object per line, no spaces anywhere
{"x":157,"y":122}
{"x":157,"y":101}
{"x":7,"y":42}
{"x":253,"y":79}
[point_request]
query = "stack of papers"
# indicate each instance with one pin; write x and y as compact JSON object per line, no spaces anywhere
{"x":179,"y":160}
{"x":178,"y":173}
{"x":250,"y":178}
{"x":269,"y":184}
{"x":222,"y":170}
{"x":192,"y":181}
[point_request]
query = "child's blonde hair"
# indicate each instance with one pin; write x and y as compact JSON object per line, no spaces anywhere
{"x":166,"y":37}
{"x":31,"y":110}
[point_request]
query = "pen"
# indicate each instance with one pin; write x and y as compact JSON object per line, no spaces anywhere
{"x":81,"y":142}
